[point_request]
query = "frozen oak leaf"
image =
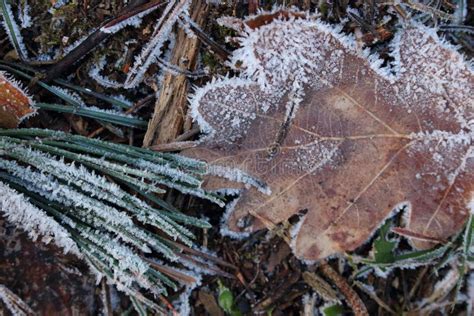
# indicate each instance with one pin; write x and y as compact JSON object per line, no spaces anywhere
{"x":330,"y":131}
{"x":15,"y":104}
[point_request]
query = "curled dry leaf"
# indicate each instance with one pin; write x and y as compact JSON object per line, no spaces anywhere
{"x":15,"y":104}
{"x":331,"y":131}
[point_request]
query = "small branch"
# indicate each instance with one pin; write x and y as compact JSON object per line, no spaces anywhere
{"x":372,"y":295}
{"x":176,"y":275}
{"x":414,"y":235}
{"x":137,"y":106}
{"x":204,"y":255}
{"x":174,"y":146}
{"x":220,"y":51}
{"x":106,"y":298}
{"x":170,"y":109}
{"x":97,"y":37}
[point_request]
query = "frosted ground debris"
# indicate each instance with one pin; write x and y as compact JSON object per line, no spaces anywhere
{"x":71,"y":202}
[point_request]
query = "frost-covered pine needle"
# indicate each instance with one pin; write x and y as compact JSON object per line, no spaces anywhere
{"x":105,"y":82}
{"x":73,"y":191}
{"x":12,"y":29}
{"x":24,"y":14}
{"x":20,"y":211}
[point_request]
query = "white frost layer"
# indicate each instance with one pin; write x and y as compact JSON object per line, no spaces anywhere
{"x":199,"y":93}
{"x":224,"y":230}
{"x":34,"y":221}
{"x":152,"y":50}
{"x":14,"y":304}
{"x":5,"y":76}
{"x":24,"y":15}
{"x":134,"y":20}
{"x":77,"y":43}
{"x":237,"y":175}
{"x":105,"y":82}
{"x":72,"y":96}
{"x":14,"y":33}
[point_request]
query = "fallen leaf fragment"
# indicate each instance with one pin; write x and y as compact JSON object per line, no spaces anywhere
{"x":331,"y":131}
{"x":15,"y":104}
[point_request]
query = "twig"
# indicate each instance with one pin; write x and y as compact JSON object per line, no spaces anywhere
{"x":175,"y":274}
{"x":137,"y":106}
{"x":320,"y":286}
{"x":205,"y":266}
{"x":170,"y":109}
{"x":174,"y":146}
{"x":188,"y":134}
{"x":106,"y":298}
{"x":279,"y":292}
{"x":92,"y":41}
{"x":204,"y":255}
{"x":373,"y":296}
{"x":220,"y":51}
{"x":413,"y":235}
{"x":415,"y":287}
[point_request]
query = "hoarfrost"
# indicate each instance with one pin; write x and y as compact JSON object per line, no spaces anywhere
{"x":34,"y":221}
{"x":134,"y":20}
{"x":94,"y":73}
{"x":24,"y":14}
{"x":152,"y":50}
{"x":111,"y":111}
{"x":237,"y":175}
{"x":13,"y":303}
{"x":72,"y":96}
{"x":224,"y":229}
{"x":78,"y":42}
{"x":14,"y":33}
{"x":304,"y":80}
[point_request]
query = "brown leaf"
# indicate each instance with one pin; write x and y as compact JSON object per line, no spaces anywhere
{"x":330,"y":131}
{"x":15,"y":105}
{"x":209,"y":302}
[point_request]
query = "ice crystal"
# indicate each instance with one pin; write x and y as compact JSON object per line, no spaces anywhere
{"x":134,"y":20}
{"x":24,"y":14}
{"x":14,"y":304}
{"x":105,"y":82}
{"x":64,"y":197}
{"x":12,"y":29}
{"x":19,"y":211}
{"x":150,"y":53}
{"x":15,"y":103}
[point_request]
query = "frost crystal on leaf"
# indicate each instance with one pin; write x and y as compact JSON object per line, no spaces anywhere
{"x":328,"y":130}
{"x":15,"y":104}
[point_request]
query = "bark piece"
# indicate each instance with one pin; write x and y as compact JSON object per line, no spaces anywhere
{"x":171,"y":107}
